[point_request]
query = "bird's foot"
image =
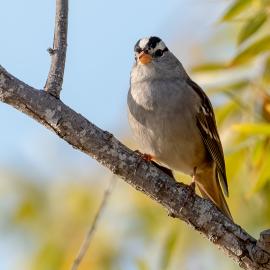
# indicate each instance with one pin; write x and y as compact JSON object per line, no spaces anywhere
{"x":150,"y":158}
{"x":193,"y":185}
{"x":144,"y":156}
{"x":147,"y":157}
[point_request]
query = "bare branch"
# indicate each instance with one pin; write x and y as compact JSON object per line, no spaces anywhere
{"x":58,"y":52}
{"x":87,"y":240}
{"x":180,"y":201}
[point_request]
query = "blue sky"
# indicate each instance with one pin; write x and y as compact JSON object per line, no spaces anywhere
{"x":100,"y":53}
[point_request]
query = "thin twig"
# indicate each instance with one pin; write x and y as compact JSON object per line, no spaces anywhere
{"x":88,"y":237}
{"x":58,"y":52}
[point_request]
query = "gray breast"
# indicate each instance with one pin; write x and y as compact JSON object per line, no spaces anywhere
{"x":162,"y":118}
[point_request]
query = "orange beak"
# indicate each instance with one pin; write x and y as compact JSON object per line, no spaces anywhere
{"x":145,"y":58}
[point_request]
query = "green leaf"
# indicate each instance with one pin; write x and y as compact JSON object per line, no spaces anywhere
{"x":262,"y":164}
{"x":248,"y":54}
{"x":235,"y":9}
{"x":225,"y":111}
{"x":266,"y":72}
{"x":208,"y":67}
{"x":264,"y":176}
{"x":168,"y":249}
{"x":252,"y":129}
{"x":50,"y":256}
{"x":253,"y":25}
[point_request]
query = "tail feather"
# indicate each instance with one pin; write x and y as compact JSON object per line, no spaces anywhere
{"x":209,"y":186}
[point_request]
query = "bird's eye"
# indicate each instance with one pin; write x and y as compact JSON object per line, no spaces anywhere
{"x":158,"y":53}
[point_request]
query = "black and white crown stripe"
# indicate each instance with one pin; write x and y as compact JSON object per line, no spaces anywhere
{"x":151,"y":45}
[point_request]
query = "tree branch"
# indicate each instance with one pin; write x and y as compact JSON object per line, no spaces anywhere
{"x":180,"y":201}
{"x":58,"y":52}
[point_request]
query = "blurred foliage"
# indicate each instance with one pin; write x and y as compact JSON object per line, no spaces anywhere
{"x":45,"y":222}
{"x":48,"y":221}
{"x":239,"y":85}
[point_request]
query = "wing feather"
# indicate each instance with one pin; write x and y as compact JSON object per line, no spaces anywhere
{"x":207,"y":125}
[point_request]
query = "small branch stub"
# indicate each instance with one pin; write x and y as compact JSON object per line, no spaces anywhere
{"x":51,"y":51}
{"x":58,"y":52}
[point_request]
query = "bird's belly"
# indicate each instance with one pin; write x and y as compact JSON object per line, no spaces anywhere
{"x":164,"y":124}
{"x":174,"y":145}
{"x":184,"y":156}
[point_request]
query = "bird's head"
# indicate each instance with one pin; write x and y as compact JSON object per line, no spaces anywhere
{"x":149,"y":49}
{"x":153,"y":60}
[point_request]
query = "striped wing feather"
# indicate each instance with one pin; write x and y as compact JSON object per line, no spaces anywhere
{"x":207,"y":125}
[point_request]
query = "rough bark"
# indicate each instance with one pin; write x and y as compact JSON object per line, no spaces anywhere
{"x":180,"y":201}
{"x":58,"y":52}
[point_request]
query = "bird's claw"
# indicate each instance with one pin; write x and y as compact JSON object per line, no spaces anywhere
{"x":144,"y":156}
{"x":192,"y":185}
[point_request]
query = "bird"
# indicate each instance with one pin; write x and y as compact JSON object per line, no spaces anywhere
{"x":173,"y":121}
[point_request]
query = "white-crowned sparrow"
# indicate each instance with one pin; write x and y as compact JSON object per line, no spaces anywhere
{"x":173,"y":120}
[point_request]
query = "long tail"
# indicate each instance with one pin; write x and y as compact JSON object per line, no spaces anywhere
{"x":209,"y":186}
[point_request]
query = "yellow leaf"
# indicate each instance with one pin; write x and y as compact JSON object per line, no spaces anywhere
{"x":237,"y":85}
{"x":253,"y":25}
{"x":248,"y":54}
{"x":209,"y":67}
{"x":235,"y":9}
{"x":266,"y":73}
{"x":252,"y":129}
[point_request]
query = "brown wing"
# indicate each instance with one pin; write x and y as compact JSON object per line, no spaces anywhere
{"x":207,"y":125}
